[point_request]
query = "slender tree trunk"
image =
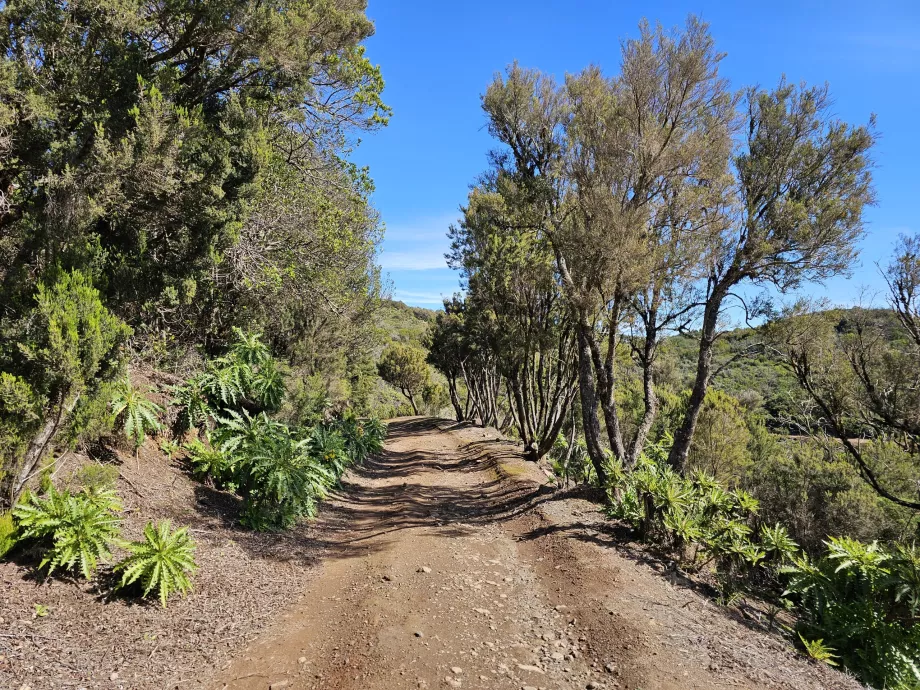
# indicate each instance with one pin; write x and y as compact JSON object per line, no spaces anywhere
{"x":684,"y":435}
{"x":648,"y":389}
{"x":588,"y":390}
{"x":39,"y":446}
{"x":455,"y":397}
{"x":412,"y":402}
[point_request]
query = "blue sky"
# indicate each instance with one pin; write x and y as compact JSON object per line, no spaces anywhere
{"x":438,"y":57}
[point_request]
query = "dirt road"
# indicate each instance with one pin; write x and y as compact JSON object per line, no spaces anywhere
{"x":452,"y":567}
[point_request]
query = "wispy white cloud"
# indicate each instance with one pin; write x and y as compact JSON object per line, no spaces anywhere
{"x":422,"y":259}
{"x":413,"y":297}
{"x":417,"y":245}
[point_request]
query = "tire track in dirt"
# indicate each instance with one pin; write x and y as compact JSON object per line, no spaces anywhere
{"x":451,"y":566}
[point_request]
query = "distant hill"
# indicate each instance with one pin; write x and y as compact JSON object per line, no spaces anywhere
{"x":758,"y":379}
{"x":404,"y":324}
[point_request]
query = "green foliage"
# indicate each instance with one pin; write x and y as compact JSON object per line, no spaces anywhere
{"x":137,"y":414}
{"x":816,"y":494}
{"x":63,"y":350}
{"x":163,"y":561}
{"x":94,"y":478}
{"x":75,"y":530}
{"x":8,"y":533}
{"x":20,"y":414}
{"x":818,"y":651}
{"x":208,"y":462}
{"x":696,"y":517}
{"x":571,"y":461}
{"x":405,"y":368}
{"x":281,"y":481}
{"x":863,"y":600}
{"x":247,"y":376}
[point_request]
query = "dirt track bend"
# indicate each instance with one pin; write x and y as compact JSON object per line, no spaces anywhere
{"x":451,"y":567}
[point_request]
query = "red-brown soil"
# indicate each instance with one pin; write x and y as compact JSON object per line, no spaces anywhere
{"x":445,"y":562}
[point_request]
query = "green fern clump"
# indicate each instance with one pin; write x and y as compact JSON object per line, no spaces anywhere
{"x":862,"y":602}
{"x":137,"y":414}
{"x":281,"y":481}
{"x":208,"y":462}
{"x":162,"y":562}
{"x":77,"y":530}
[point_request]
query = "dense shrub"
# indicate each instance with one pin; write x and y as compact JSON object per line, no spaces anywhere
{"x":862,"y":601}
{"x":281,"y":470}
{"x":696,"y":518}
{"x":817,"y":494}
{"x":570,"y":461}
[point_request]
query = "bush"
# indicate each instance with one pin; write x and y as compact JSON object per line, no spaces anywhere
{"x":75,"y":530}
{"x":571,"y":461}
{"x":246,"y":378}
{"x":94,"y":477}
{"x":696,"y":518}
{"x":69,"y":346}
{"x":861,"y":602}
{"x":817,"y":494}
{"x":163,"y":561}
{"x":281,"y":481}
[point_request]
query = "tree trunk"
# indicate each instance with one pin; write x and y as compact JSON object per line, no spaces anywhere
{"x":38,"y":447}
{"x":412,"y":402}
{"x":648,"y":390}
{"x":684,"y":435}
{"x":588,"y":391}
{"x":455,"y":398}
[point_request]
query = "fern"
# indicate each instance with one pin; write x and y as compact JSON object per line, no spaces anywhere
{"x":267,"y":384}
{"x":136,"y":413}
{"x":79,"y":529}
{"x":208,"y":462}
{"x":249,"y":348}
{"x":192,"y":400}
{"x":163,"y":561}
{"x":818,"y":651}
{"x":8,"y":533}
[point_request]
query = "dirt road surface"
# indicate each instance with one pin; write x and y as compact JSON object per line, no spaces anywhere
{"x":453,"y":566}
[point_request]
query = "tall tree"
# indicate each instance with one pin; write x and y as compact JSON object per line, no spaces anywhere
{"x":800,"y":183}
{"x":510,"y":278}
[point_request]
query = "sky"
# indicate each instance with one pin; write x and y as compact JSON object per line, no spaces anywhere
{"x":438,"y":57}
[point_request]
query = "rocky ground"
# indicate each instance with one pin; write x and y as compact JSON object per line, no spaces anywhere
{"x":446,"y":562}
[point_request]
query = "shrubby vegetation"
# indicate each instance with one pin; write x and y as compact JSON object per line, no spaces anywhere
{"x":622,"y":220}
{"x":280,"y":470}
{"x":202,"y":183}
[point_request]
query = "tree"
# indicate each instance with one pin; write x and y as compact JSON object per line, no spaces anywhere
{"x":405,"y":368}
{"x":69,"y":345}
{"x":444,"y":341}
{"x":801,"y":182}
{"x":653,"y":218}
{"x":616,"y":171}
{"x":185,"y":113}
{"x":512,"y":288}
{"x":863,"y":374}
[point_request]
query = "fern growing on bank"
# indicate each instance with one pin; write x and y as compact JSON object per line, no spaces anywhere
{"x":163,"y":562}
{"x":135,"y":412}
{"x":78,"y":529}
